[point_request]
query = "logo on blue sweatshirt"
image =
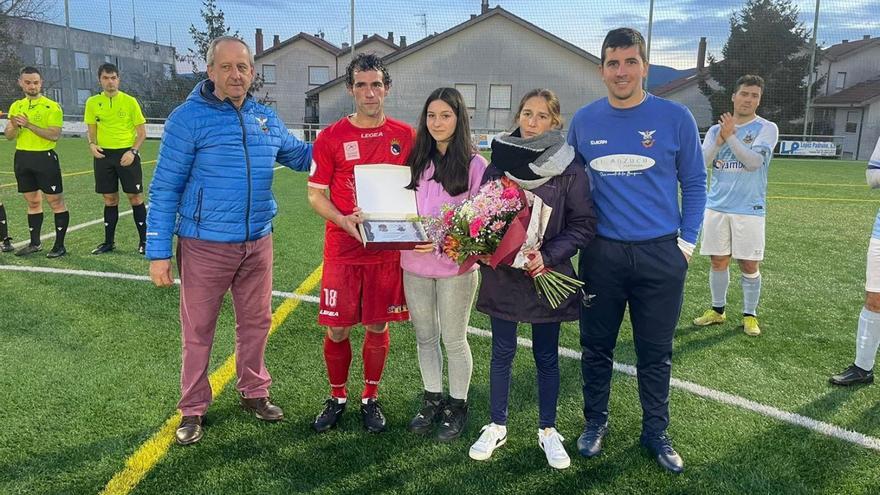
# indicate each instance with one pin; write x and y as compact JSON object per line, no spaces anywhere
{"x":647,"y":138}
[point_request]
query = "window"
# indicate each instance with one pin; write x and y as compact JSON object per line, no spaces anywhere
{"x":55,"y":95}
{"x":852,"y":121}
{"x":840,"y":82}
{"x":269,"y":74}
{"x":146,"y":67}
{"x":38,"y":55}
{"x":318,"y":75}
{"x":53,"y":57}
{"x":469,"y":93}
{"x":167,"y":71}
{"x":499,"y":96}
{"x":82,"y":60}
{"x":82,"y":95}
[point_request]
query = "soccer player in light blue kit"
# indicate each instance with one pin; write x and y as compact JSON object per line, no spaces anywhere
{"x":738,"y":149}
{"x":868,"y":333}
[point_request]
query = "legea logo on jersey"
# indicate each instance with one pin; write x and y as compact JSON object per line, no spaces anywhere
{"x":621,"y":163}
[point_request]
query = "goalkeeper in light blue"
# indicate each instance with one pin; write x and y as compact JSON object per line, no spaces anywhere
{"x":868,"y":331}
{"x":738,"y":149}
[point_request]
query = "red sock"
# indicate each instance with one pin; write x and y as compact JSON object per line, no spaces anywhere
{"x":374,"y":353}
{"x":337,"y":355}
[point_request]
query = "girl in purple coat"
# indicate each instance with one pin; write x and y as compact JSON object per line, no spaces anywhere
{"x":537,"y":157}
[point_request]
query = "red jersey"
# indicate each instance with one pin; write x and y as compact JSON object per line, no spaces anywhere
{"x":337,"y":150}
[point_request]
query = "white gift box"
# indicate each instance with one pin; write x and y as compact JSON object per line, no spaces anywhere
{"x":388,"y":208}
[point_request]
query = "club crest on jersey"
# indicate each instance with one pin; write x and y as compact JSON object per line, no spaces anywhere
{"x":262,"y":121}
{"x":647,"y":138}
{"x":749,"y":139}
{"x":395,"y":147}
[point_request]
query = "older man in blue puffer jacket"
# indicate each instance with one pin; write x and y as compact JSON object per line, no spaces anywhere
{"x":213,"y":188}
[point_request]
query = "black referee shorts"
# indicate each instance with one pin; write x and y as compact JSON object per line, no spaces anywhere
{"x":38,"y":170}
{"x":109,"y":173}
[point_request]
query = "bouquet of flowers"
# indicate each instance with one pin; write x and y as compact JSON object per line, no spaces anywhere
{"x":496,"y":222}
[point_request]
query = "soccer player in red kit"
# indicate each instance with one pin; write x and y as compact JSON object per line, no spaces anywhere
{"x":358,"y":285}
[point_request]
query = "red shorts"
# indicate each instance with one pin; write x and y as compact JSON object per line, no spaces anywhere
{"x":367,"y":294}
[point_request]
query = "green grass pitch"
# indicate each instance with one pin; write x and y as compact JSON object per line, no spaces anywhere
{"x":90,"y":371}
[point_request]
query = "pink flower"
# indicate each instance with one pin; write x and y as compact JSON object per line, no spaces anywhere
{"x":497,"y":225}
{"x":447,"y":217}
{"x":475,"y":226}
{"x":510,"y":193}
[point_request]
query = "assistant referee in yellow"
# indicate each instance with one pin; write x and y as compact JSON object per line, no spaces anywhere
{"x":116,"y":133}
{"x":35,"y":123}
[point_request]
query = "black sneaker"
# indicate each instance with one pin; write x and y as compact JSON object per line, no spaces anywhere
{"x":589,"y":444}
{"x":6,"y":245}
{"x":329,"y":416}
{"x":455,"y":416}
{"x":372,"y":416}
{"x":57,"y":252}
{"x":432,"y":408}
{"x":29,"y":249}
{"x":104,"y":247}
{"x":852,"y":376}
{"x":660,"y":447}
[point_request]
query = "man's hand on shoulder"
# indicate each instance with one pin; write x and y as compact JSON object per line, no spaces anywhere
{"x":160,"y":273}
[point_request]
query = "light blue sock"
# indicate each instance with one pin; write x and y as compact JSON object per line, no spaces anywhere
{"x":867,"y":339}
{"x":751,"y":293}
{"x":718,"y":283}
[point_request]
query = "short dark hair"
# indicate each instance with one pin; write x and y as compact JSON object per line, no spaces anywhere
{"x":624,"y":38}
{"x":363,"y":62}
{"x":749,"y":80}
{"x":107,"y":68}
{"x":29,"y":70}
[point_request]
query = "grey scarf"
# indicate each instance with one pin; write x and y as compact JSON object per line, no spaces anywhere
{"x":531,"y":162}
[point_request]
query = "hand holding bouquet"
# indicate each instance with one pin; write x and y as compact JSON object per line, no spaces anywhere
{"x":496,"y":223}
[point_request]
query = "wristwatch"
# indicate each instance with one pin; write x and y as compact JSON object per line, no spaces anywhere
{"x":134,"y":152}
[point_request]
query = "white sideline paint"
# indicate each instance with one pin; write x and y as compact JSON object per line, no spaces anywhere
{"x":821,"y":427}
{"x":51,"y":233}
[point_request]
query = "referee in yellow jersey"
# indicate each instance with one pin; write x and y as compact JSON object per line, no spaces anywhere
{"x":116,"y":133}
{"x":35,"y":123}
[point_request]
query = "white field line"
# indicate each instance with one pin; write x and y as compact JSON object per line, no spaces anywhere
{"x":51,"y":234}
{"x":821,"y":427}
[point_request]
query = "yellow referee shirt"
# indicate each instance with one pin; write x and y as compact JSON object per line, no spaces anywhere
{"x":41,"y":112}
{"x":115,"y":118}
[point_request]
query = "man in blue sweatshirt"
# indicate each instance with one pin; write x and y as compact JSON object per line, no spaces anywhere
{"x":639,"y":151}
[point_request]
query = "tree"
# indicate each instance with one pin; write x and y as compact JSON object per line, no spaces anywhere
{"x":160,"y":97}
{"x":215,"y":26}
{"x":10,"y":64}
{"x":766,"y":39}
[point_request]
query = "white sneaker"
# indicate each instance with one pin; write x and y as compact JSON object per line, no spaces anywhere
{"x":492,"y":436}
{"x":550,"y":442}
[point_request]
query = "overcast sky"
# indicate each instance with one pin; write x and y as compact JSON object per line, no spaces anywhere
{"x":678,"y":24}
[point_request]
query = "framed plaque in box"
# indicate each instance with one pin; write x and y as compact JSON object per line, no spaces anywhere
{"x":389,"y":209}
